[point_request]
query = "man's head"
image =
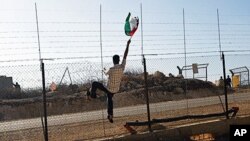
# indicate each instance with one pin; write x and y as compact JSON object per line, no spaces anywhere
{"x":116,"y":59}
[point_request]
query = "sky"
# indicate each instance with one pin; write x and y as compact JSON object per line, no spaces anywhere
{"x":71,"y":30}
{"x":58,"y":19}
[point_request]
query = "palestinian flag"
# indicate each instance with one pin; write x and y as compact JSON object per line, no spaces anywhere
{"x":131,"y":25}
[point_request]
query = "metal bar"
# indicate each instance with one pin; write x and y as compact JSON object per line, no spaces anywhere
{"x":69,"y":76}
{"x":103,"y":125}
{"x":38,"y":37}
{"x":240,"y":68}
{"x":184,"y":40}
{"x":44,"y":123}
{"x":225,"y":84}
{"x":44,"y":105}
{"x":185,"y":53}
{"x":101,"y":39}
{"x":190,"y":66}
{"x":146,"y":93}
{"x":238,"y":71}
{"x":248,"y":75}
{"x":200,"y":77}
{"x":218,"y":19}
{"x":240,"y":78}
{"x":206,"y":73}
{"x":141,"y":32}
{"x":232,"y":111}
{"x":63,"y":75}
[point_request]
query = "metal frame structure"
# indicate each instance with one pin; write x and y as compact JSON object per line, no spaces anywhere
{"x":66,"y":70}
{"x":199,"y":66}
{"x":233,"y":111}
{"x":241,"y":71}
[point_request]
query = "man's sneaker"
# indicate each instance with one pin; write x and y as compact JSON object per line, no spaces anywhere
{"x":110,"y":118}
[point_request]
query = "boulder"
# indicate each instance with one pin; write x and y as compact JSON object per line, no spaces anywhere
{"x":159,"y":75}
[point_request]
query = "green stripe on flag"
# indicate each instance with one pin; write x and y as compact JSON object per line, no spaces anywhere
{"x":127,"y":25}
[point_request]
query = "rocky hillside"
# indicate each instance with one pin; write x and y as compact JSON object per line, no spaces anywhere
{"x":165,"y":88}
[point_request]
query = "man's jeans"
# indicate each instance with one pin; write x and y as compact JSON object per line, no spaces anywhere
{"x":98,"y":85}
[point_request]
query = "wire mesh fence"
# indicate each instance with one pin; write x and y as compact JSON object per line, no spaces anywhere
{"x":171,"y":95}
{"x":180,"y":83}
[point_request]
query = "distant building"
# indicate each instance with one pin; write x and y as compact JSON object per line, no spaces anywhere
{"x":6,"y":83}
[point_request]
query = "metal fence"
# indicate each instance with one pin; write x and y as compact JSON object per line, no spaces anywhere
{"x":70,"y":116}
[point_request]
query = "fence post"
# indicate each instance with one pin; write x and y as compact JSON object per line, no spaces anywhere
{"x":146,"y":93}
{"x":44,"y":104}
{"x":225,"y":84}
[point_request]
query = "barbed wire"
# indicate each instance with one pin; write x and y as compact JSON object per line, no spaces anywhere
{"x":232,"y":53}
{"x":233,"y":34}
{"x":147,"y":11}
{"x":228,"y":45}
{"x":113,"y":36}
{"x":122,"y":23}
{"x":232,"y":38}
{"x":133,"y":50}
{"x":112,"y":41}
{"x":147,"y":30}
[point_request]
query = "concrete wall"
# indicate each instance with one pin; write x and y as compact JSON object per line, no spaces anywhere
{"x":6,"y":83}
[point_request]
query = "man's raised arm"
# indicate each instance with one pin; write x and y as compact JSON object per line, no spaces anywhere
{"x":126,"y":51}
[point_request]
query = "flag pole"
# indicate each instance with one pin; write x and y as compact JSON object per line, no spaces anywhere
{"x":130,"y":37}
